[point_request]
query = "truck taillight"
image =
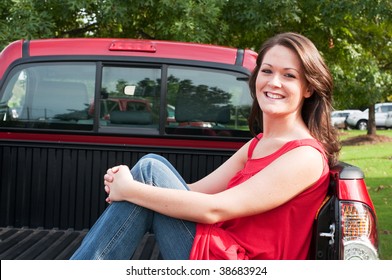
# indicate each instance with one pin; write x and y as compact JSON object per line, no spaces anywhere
{"x":358,"y":231}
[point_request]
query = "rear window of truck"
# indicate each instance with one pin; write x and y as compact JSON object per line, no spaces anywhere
{"x":126,"y":99}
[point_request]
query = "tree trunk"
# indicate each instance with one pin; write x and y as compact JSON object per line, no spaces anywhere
{"x":371,"y":128}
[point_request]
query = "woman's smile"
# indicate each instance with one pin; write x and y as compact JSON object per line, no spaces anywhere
{"x":273,"y":95}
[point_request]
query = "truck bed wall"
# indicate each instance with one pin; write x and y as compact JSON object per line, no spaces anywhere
{"x":58,"y":185}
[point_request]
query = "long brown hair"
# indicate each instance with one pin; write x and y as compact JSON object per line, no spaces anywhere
{"x":316,"y":110}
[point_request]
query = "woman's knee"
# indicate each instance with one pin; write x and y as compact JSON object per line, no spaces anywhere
{"x":147,"y":168}
{"x":155,"y":170}
{"x":150,"y":160}
{"x":154,"y":157}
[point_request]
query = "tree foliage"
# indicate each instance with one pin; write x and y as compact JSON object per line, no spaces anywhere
{"x":355,"y":36}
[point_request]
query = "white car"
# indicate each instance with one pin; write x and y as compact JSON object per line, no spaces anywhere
{"x":338,"y":118}
{"x":388,"y":121}
{"x":360,"y":120}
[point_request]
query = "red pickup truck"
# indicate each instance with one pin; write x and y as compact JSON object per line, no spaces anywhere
{"x":69,"y":108}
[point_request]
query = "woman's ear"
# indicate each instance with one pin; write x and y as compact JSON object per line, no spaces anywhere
{"x":308,"y":92}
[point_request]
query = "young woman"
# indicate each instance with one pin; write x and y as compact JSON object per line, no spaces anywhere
{"x":261,"y":203}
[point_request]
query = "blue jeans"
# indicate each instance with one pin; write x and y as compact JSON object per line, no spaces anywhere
{"x":119,"y":230}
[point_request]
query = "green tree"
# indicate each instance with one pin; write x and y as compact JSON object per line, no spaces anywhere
{"x":185,"y":20}
{"x":362,"y":64}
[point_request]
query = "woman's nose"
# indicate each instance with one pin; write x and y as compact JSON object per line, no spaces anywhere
{"x":275,"y":81}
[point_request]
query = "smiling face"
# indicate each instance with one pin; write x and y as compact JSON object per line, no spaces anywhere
{"x":281,"y":85}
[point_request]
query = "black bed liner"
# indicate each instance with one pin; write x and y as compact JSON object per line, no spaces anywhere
{"x":55,"y":244}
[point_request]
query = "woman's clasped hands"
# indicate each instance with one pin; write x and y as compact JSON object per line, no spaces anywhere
{"x":116,"y":180}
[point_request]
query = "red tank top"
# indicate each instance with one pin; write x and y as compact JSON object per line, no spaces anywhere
{"x":281,"y":233}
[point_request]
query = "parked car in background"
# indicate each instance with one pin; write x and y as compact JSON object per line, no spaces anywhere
{"x":360,"y":120}
{"x":388,"y":121}
{"x":338,"y":118}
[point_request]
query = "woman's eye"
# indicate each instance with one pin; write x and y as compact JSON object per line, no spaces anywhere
{"x":290,"y":76}
{"x":267,"y":71}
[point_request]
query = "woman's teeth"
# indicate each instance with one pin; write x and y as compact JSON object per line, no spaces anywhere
{"x":273,"y":95}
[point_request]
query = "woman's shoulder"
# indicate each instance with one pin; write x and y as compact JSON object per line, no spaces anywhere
{"x":306,"y":142}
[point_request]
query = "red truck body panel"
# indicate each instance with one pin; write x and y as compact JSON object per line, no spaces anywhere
{"x":125,"y":47}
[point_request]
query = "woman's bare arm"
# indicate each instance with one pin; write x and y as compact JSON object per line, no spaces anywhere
{"x":283,"y":179}
{"x":218,"y":180}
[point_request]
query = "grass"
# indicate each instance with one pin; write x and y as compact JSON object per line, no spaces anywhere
{"x":375,"y":160}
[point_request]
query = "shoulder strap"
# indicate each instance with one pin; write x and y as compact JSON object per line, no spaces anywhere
{"x":289,"y":146}
{"x":303,"y":142}
{"x":253,"y":144}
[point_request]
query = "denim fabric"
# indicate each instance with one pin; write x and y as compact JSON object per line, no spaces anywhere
{"x":119,"y":230}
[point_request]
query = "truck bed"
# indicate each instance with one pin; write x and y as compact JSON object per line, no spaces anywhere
{"x":55,"y":244}
{"x":51,"y":193}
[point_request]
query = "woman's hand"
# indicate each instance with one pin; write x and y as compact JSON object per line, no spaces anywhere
{"x":116,"y":180}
